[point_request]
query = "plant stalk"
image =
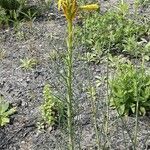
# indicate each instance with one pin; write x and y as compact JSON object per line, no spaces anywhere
{"x":95,"y":123}
{"x":69,"y":85}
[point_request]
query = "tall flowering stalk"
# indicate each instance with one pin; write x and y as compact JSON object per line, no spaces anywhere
{"x":70,"y":9}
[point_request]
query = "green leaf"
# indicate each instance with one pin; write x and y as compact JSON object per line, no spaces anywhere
{"x":147,"y":46}
{"x":133,"y":108}
{"x":121,"y":109}
{"x":4,"y":107}
{"x":10,"y":111}
{"x":146,"y":57}
{"x":4,"y":121}
{"x":142,"y":110}
{"x":146,"y":104}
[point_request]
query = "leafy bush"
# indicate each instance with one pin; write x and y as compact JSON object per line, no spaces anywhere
{"x":53,"y":110}
{"x":16,"y":10}
{"x":129,"y":86}
{"x":5,"y":112}
{"x":112,"y":30}
{"x":10,"y":4}
{"x":3,"y":17}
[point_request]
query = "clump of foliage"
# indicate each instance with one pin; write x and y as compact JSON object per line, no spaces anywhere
{"x":14,"y":10}
{"x":3,"y":17}
{"x":28,"y":63}
{"x":10,"y":4}
{"x":5,"y":112}
{"x":12,"y":7}
{"x":114,"y":30}
{"x":129,"y":86}
{"x":53,"y":109}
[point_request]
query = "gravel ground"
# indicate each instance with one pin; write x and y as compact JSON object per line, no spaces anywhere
{"x":23,"y":89}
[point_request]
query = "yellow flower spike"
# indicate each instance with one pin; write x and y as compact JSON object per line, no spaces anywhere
{"x":59,"y":4}
{"x":90,"y":7}
{"x":73,"y":9}
{"x":69,"y":8}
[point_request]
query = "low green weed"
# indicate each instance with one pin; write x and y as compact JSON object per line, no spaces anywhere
{"x":14,"y":11}
{"x":30,"y":16}
{"x":92,"y":95}
{"x":28,"y":63}
{"x":3,"y":17}
{"x":53,"y":55}
{"x":53,"y":109}
{"x":10,"y":4}
{"x":2,"y":54}
{"x":47,"y":3}
{"x":12,"y":7}
{"x":5,"y":112}
{"x":129,"y":86}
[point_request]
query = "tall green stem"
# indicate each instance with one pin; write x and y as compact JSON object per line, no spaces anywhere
{"x":95,"y":122}
{"x":107,"y":92}
{"x":69,"y":85}
{"x":137,"y":104}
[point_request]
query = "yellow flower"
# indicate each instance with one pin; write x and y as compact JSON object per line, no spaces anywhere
{"x":90,"y":7}
{"x":69,"y":8}
{"x":59,"y":4}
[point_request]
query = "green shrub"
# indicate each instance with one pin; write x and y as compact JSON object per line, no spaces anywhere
{"x":16,"y":10}
{"x":10,"y":4}
{"x":3,"y":17}
{"x":112,"y":30}
{"x":53,"y":110}
{"x":5,"y":112}
{"x":129,"y":86}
